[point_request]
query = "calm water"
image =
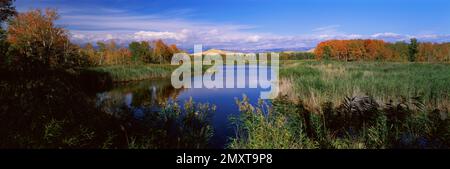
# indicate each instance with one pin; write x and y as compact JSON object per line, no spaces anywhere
{"x":147,"y":96}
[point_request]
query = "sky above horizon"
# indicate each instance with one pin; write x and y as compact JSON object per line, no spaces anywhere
{"x":250,"y":24}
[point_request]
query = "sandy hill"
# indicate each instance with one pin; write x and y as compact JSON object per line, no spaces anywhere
{"x":217,"y":51}
{"x":311,"y":50}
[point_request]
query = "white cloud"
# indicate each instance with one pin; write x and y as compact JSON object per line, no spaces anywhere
{"x":125,"y":28}
{"x":238,"y":40}
{"x":94,"y":23}
{"x":149,"y":35}
{"x":386,"y":35}
{"x":327,"y":28}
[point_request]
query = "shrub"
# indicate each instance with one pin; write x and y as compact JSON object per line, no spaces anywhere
{"x":37,"y":43}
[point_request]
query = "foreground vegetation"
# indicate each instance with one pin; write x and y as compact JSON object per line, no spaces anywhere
{"x":351,"y":105}
{"x":43,"y":111}
{"x":357,"y":123}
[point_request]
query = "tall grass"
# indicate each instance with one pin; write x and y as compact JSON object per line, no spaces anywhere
{"x":356,"y":105}
{"x":136,"y":72}
{"x":123,"y":73}
{"x":175,"y":126}
{"x":261,"y":127}
{"x":319,"y":82}
{"x":355,"y":124}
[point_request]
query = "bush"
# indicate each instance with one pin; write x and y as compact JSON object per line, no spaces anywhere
{"x":37,"y":43}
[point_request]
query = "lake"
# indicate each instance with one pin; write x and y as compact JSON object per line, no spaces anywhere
{"x":147,"y":96}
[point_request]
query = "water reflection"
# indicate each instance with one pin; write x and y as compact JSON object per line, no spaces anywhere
{"x":149,"y":96}
{"x":137,"y":97}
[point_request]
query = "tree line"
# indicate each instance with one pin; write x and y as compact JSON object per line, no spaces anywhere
{"x":296,"y":55}
{"x":109,"y":53}
{"x":369,"y":49}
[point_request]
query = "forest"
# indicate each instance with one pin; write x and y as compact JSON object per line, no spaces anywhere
{"x":378,"y":50}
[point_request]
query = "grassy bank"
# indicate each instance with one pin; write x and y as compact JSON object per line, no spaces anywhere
{"x":318,"y":82}
{"x":124,"y":73}
{"x":361,"y":105}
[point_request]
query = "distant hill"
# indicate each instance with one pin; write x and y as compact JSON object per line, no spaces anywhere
{"x":311,"y":50}
{"x":217,"y":51}
{"x":302,"y":49}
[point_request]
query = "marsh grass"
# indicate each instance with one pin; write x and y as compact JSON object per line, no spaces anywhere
{"x":319,"y":82}
{"x":262,"y":127}
{"x":176,"y":126}
{"x":354,"y":124}
{"x":124,"y":73}
{"x":137,"y":72}
{"x":351,"y":105}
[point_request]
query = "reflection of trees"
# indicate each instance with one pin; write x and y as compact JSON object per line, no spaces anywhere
{"x":147,"y":95}
{"x":157,"y":122}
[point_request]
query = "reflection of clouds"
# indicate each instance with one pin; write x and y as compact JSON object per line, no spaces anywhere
{"x":101,"y":97}
{"x":136,"y":98}
{"x":250,"y":76}
{"x":153,"y":94}
{"x":128,"y":100}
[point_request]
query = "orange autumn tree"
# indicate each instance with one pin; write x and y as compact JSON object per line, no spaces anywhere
{"x":349,"y":50}
{"x":443,"y":52}
{"x":92,"y":55}
{"x":433,"y":52}
{"x":108,"y":53}
{"x":426,"y":52}
{"x":163,"y":53}
{"x":377,"y":50}
{"x":356,"y":50}
{"x":369,"y":49}
{"x":37,"y":42}
{"x":174,"y":49}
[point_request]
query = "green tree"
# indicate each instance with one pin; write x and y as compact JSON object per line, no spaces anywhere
{"x":141,"y":52}
{"x":135,"y":49}
{"x":413,"y":50}
{"x":327,"y":53}
{"x":147,"y":52}
{"x":399,"y":51}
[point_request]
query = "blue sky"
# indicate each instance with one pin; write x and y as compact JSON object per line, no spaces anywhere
{"x":250,"y":24}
